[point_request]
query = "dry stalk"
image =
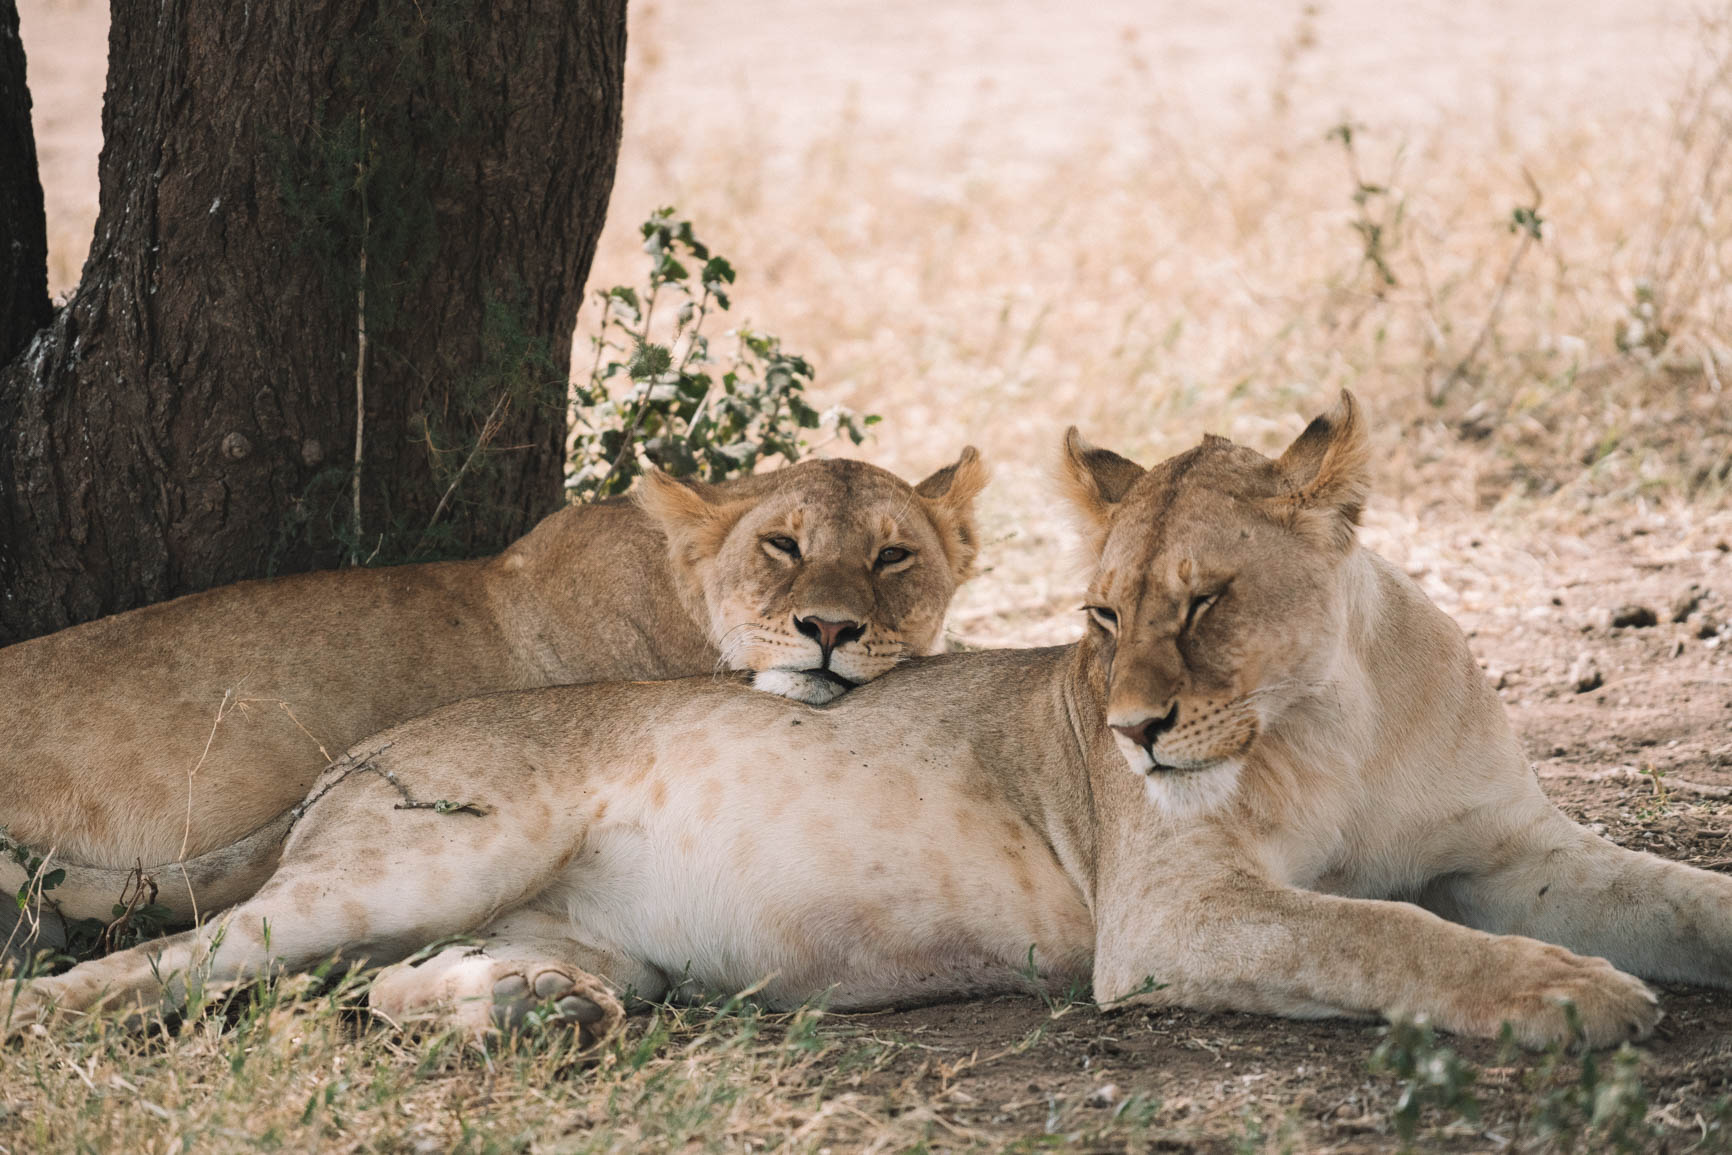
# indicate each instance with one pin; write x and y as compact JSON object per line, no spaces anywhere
{"x":222,"y":712}
{"x":1684,"y":258}
{"x":1526,"y":223}
{"x":231,"y":701}
{"x":489,"y":430}
{"x":132,"y":897}
{"x":360,"y":348}
{"x":30,"y":913}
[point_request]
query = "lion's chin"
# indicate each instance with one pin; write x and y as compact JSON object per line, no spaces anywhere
{"x":813,"y":687}
{"x":1192,"y":793}
{"x":1182,"y":792}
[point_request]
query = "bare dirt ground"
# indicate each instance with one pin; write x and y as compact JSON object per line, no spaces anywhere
{"x":985,"y":222}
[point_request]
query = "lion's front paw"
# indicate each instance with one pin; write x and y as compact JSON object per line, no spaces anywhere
{"x":812,"y":689}
{"x":1611,"y":1006}
{"x":480,"y":995}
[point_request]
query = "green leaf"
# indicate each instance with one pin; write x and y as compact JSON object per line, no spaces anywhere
{"x":1527,"y":220}
{"x":668,"y":269}
{"x":717,"y":272}
{"x":650,"y":361}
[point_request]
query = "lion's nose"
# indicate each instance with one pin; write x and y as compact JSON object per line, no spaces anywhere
{"x":1145,"y":732}
{"x":829,"y":634}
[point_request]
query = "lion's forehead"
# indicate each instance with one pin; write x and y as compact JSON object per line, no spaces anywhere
{"x":837,"y":486}
{"x":1206,"y":487}
{"x":1175,"y":549}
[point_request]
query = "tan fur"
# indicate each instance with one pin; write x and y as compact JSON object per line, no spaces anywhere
{"x":1314,"y":740}
{"x":161,"y":736}
{"x":1330,"y":767}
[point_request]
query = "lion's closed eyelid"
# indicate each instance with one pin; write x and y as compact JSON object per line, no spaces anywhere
{"x":1200,"y":602}
{"x":1103,"y":617}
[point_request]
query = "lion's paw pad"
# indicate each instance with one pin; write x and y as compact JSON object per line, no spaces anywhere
{"x":553,"y":998}
{"x":551,"y":984}
{"x":510,"y":987}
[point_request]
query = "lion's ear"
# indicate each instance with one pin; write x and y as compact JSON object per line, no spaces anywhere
{"x":1095,"y":480}
{"x":1329,"y":469}
{"x":949,"y":495}
{"x":694,"y":517}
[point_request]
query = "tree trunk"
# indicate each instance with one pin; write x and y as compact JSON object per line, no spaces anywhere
{"x":310,"y":210}
{"x":24,"y":306}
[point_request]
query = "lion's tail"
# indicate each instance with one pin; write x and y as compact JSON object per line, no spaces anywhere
{"x":190,"y":889}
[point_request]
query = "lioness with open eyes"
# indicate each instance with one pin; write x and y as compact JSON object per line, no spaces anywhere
{"x":816,"y":577}
{"x":1269,"y":778}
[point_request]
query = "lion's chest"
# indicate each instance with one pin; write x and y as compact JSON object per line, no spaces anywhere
{"x":869,"y":882}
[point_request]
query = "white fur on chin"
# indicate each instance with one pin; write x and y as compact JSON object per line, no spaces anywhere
{"x":812,"y":689}
{"x":1181,"y":793}
{"x":1193,"y":793}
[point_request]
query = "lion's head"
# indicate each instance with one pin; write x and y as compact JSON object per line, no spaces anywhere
{"x":824,"y":574}
{"x":1216,"y":602}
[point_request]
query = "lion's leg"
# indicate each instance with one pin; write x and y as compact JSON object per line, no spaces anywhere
{"x":1227,"y":938}
{"x":1539,"y":874}
{"x":162,"y":973}
{"x":363,"y":878}
{"x":526,"y":963}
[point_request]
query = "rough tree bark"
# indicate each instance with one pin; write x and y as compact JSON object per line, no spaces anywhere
{"x":24,"y":306}
{"x":287,"y":192}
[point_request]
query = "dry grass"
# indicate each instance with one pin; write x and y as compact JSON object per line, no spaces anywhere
{"x":1177,"y":266}
{"x":985,"y":225}
{"x":288,"y":1067}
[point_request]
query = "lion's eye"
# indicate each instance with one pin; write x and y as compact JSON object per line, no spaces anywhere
{"x":783,"y":544}
{"x":1104,"y":618}
{"x":891,"y":554}
{"x":1199,"y":605}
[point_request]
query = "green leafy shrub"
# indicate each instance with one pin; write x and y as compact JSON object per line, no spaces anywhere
{"x":1602,"y":1105}
{"x":1432,"y":1075}
{"x":672,"y":402}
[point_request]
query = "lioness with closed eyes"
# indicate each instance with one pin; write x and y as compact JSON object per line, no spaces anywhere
{"x":1269,"y":778}
{"x":177,"y":736}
